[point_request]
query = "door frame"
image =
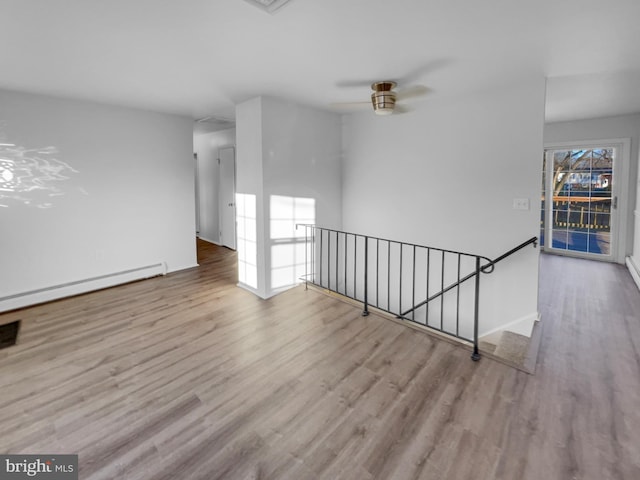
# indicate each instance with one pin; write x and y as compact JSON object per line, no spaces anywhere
{"x":620,"y":189}
{"x":222,"y":204}
{"x":197,"y":191}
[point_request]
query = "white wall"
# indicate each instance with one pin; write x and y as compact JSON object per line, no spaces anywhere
{"x":249,"y":181}
{"x":301,"y":160}
{"x":285,"y":149}
{"x":445,"y":175}
{"x":302,"y":156}
{"x":115,"y":191}
{"x":206,"y":146}
{"x":625,"y":126}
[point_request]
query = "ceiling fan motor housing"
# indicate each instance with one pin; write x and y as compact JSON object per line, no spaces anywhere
{"x":383,"y":97}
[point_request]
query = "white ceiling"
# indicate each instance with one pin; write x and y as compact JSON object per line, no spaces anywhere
{"x":201,"y":57}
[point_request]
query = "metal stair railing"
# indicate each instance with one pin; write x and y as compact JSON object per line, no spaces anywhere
{"x":388,"y":274}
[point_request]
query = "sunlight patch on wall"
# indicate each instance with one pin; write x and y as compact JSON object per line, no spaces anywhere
{"x":288,"y":247}
{"x":247,"y":239}
{"x":32,"y":176}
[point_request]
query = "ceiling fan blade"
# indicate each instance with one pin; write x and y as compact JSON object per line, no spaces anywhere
{"x":416,"y":74}
{"x":354,"y":84}
{"x":415,"y":91}
{"x":400,"y":109}
{"x":348,"y":105}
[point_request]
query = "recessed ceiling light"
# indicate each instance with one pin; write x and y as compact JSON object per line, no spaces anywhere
{"x":268,"y":5}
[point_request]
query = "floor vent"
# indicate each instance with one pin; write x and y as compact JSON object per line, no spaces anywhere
{"x":9,"y":334}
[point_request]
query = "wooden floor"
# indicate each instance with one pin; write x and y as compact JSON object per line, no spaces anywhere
{"x":189,"y":377}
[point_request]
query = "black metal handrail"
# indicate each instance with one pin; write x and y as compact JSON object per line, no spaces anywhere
{"x":532,"y":240}
{"x":334,"y":261}
{"x":483,"y":269}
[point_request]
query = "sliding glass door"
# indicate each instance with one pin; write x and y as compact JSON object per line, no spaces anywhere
{"x":580,"y":200}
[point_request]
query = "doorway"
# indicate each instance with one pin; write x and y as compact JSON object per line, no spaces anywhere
{"x":580,"y":196}
{"x":227,"y":194}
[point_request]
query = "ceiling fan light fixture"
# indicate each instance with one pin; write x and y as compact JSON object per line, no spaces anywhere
{"x":383,"y":97}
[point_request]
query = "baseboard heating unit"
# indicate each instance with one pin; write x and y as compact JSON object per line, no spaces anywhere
{"x":41,"y":295}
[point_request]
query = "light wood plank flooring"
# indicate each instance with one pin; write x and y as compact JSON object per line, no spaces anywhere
{"x":189,"y":377}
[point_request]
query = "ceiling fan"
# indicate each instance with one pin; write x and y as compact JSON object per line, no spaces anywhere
{"x":385,"y":99}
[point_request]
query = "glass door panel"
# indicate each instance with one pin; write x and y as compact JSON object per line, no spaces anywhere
{"x":578,"y":198}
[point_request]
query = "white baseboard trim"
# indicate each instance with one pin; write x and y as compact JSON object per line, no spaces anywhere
{"x":272,"y":293}
{"x":56,"y":292}
{"x":246,"y":287}
{"x":634,"y":270}
{"x":278,"y":291}
{"x":522,"y":326}
{"x":209,"y":241}
{"x":185,"y":267}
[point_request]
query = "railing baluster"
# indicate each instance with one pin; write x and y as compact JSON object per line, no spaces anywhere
{"x":320,"y":272}
{"x":400,"y":299}
{"x":346,"y":249}
{"x":458,"y":300}
{"x":388,"y":276}
{"x":313,"y":254}
{"x":475,"y":356}
{"x":413,"y":295}
{"x":426,"y":313}
{"x":337,"y":266}
{"x":329,"y":259}
{"x":365,"y":312}
{"x":306,"y":262}
{"x":442,"y":296}
{"x":355,"y":266}
{"x":377,"y":272}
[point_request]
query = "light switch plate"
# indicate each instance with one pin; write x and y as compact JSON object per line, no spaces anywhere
{"x":521,"y":204}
